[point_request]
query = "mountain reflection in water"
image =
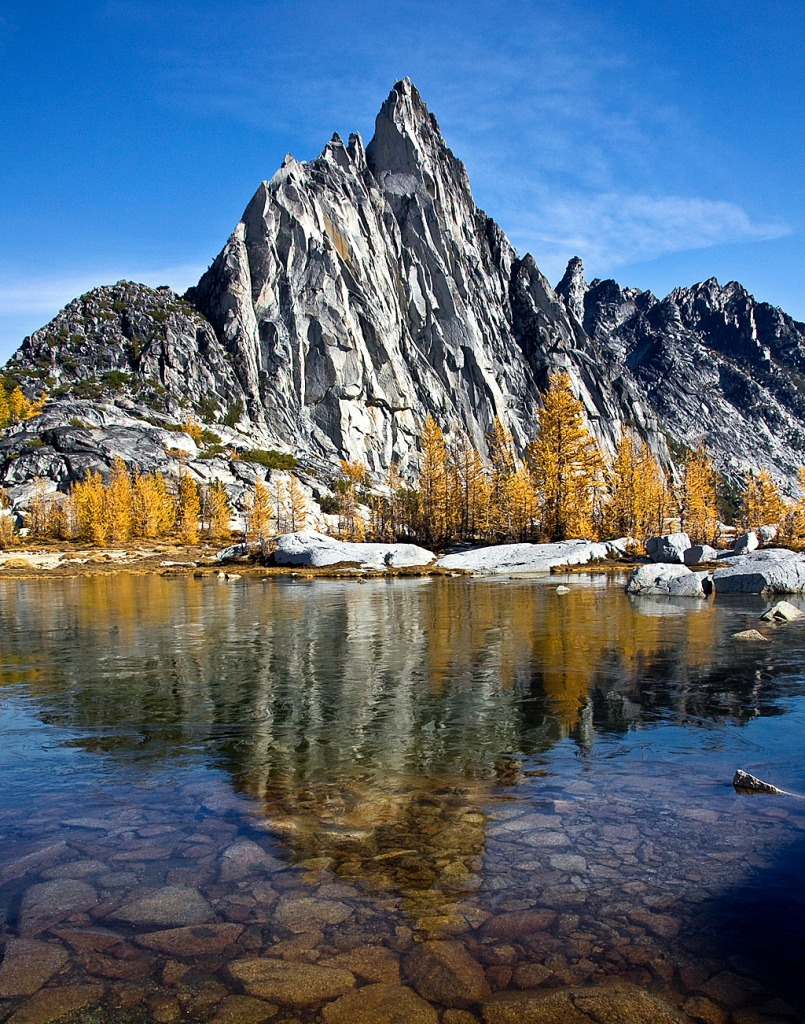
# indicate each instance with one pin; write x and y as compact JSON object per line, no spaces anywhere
{"x":463,"y":754}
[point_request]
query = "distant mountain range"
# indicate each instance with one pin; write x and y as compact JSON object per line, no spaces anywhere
{"x":362,"y":291}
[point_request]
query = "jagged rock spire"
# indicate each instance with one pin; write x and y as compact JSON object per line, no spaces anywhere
{"x":572,"y":288}
{"x":408,"y":152}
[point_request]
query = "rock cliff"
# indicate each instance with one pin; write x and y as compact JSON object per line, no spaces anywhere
{"x":365,"y":289}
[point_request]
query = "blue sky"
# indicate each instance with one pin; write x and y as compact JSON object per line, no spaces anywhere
{"x":661,"y":142}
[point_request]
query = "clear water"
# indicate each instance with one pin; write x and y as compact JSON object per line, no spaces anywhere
{"x":339,"y":771}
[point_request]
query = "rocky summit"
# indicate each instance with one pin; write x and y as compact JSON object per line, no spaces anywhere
{"x":365,"y":289}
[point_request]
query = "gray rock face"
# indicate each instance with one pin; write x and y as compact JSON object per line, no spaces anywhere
{"x":524,"y":558}
{"x":743,"y":358}
{"x":672,"y":580}
{"x":670,"y":548}
{"x":362,"y":291}
{"x":315,"y":549}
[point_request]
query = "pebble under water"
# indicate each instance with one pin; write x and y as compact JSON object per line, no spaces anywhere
{"x":402,"y":801}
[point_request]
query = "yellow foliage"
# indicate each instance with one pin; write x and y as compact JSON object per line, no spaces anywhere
{"x":89,"y":496}
{"x":472,"y":494}
{"x":217,"y":511}
{"x":193,"y":429}
{"x":762,"y":503}
{"x":639,"y":499}
{"x":297,"y":505}
{"x":434,"y":483}
{"x":350,"y":522}
{"x":259,"y":512}
{"x":793,"y":525}
{"x":188,"y":510}
{"x":7,"y":535}
{"x":119,"y":501}
{"x":15,"y":407}
{"x":697,"y":497}
{"x":153,"y":507}
{"x":565,"y":463}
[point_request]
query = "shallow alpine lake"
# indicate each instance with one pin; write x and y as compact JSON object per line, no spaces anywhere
{"x":396,"y":800}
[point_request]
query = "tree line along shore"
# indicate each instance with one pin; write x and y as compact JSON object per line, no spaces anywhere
{"x":562,"y":488}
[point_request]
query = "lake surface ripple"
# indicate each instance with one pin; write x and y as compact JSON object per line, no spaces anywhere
{"x":407,"y":800}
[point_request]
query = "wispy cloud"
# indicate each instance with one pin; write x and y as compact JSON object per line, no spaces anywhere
{"x":612,"y":230}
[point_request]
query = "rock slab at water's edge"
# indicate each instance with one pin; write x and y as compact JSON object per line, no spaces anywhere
{"x":527,"y":558}
{"x":768,"y":571}
{"x":308,"y":549}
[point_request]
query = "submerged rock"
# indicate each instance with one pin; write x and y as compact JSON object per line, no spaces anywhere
{"x":743,"y":780}
{"x":195,"y":940}
{"x":673,"y":580}
{"x":444,"y":972}
{"x":28,"y":964}
{"x":524,"y":558}
{"x":619,"y":1001}
{"x":175,"y":905}
{"x":50,"y":1005}
{"x":48,"y":903}
{"x":380,"y":1004}
{"x":291,"y":984}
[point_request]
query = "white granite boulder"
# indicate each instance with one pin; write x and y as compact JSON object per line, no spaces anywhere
{"x":699,"y":553}
{"x":670,"y":580}
{"x":775,"y":571}
{"x":668,"y":549}
{"x":746,"y":543}
{"x":524,"y":559}
{"x":766,"y":534}
{"x":308,"y":549}
{"x":782,"y":611}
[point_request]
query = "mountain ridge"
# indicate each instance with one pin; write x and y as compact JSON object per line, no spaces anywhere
{"x":362,"y":291}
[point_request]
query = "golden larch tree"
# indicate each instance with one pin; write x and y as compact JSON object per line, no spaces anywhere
{"x":762,"y":504}
{"x":473,"y":492}
{"x":188,"y":510}
{"x":297,"y":505}
{"x":638,"y":494}
{"x":119,"y":502}
{"x":565,"y":463}
{"x":89,"y":495}
{"x":258,"y":512}
{"x":698,"y":510}
{"x":434,"y":483}
{"x":153,"y":506}
{"x":793,"y":525}
{"x":216,"y":511}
